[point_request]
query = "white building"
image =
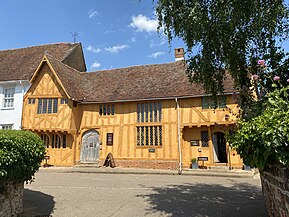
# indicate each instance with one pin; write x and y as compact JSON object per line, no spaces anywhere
{"x":11,"y":98}
{"x":16,"y":68}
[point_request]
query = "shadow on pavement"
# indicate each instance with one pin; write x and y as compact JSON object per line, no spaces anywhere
{"x":37,"y":204}
{"x":198,"y":200}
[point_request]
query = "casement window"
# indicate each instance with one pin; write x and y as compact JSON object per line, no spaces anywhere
{"x":63,"y":101}
{"x":54,"y":140}
{"x":64,"y":141}
{"x":106,"y":109}
{"x":31,"y":101}
{"x":149,"y":112}
{"x":47,"y":105}
{"x":8,"y":100}
{"x":6,"y":126}
{"x":45,"y":139}
{"x":205,"y":138}
{"x":209,"y":103}
{"x":109,"y":139}
{"x":149,"y":136}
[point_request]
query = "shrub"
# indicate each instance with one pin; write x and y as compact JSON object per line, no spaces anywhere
{"x":264,"y":139}
{"x":21,"y":153}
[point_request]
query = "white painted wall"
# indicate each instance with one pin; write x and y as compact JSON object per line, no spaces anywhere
{"x":13,"y":115}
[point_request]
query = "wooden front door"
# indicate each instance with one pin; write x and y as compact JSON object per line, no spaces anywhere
{"x":90,"y":147}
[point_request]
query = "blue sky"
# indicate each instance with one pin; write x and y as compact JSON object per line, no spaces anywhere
{"x":113,"y":33}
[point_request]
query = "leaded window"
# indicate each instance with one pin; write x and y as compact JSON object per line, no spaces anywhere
{"x":31,"y":101}
{"x":45,"y":139}
{"x":149,"y":135}
{"x":47,"y":105}
{"x":64,"y":141}
{"x":209,"y":102}
{"x":205,"y":138}
{"x":63,"y":101}
{"x":56,"y":141}
{"x":8,"y":97}
{"x":106,"y":109}
{"x":149,"y":112}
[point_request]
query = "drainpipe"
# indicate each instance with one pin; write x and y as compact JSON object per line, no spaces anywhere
{"x":179,"y":137}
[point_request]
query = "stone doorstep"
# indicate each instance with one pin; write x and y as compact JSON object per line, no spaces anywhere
{"x":89,"y":165}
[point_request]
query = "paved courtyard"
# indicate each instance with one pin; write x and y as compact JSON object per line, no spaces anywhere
{"x":78,"y":194}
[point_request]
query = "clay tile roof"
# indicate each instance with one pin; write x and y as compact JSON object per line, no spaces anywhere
{"x":20,"y":64}
{"x":129,"y":84}
{"x":142,"y":82}
{"x":70,"y":78}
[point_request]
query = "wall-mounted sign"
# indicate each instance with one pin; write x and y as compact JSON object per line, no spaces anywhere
{"x":152,"y":150}
{"x":109,"y":139}
{"x":203,"y":158}
{"x":195,"y":143}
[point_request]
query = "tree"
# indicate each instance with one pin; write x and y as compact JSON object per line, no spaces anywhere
{"x":264,"y":139}
{"x":228,"y":36}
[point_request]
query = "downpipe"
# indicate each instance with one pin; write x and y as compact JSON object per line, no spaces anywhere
{"x":179,"y":137}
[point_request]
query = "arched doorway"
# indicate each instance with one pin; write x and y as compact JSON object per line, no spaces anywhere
{"x":90,"y":147}
{"x":220,"y":149}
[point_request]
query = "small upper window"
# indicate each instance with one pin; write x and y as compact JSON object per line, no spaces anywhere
{"x":7,"y":127}
{"x":31,"y":101}
{"x":107,"y":109}
{"x":63,"y":101}
{"x":8,"y":97}
{"x":210,"y":103}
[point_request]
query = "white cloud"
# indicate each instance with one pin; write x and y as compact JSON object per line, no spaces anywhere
{"x":92,"y":49}
{"x":133,"y":39}
{"x":110,"y":32}
{"x":92,"y":13}
{"x":156,"y":54}
{"x":116,"y":48}
{"x":143,"y":23}
{"x":95,"y":65}
{"x":154,"y":44}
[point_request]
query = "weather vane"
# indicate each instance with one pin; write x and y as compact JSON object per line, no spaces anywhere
{"x":74,"y":36}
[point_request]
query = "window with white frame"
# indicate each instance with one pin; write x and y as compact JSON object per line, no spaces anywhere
{"x":7,"y":127}
{"x":8,"y":97}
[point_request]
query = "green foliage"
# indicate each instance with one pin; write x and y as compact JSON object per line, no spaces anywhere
{"x":264,"y":139}
{"x":194,"y":160}
{"x":227,"y":36}
{"x":21,"y":153}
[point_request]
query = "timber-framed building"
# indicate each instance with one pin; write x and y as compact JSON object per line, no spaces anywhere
{"x":147,"y":116}
{"x":16,"y":68}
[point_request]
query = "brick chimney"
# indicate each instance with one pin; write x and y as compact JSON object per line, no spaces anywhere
{"x":179,"y":54}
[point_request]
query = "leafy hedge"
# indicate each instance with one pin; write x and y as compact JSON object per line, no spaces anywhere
{"x":21,"y":153}
{"x":264,"y":139}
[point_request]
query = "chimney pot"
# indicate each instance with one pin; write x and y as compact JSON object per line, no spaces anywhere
{"x":179,"y":54}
